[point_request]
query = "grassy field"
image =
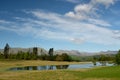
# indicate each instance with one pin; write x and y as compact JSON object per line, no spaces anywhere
{"x":101,"y":73}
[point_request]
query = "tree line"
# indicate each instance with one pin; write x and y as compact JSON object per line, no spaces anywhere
{"x":58,"y":57}
{"x":115,"y":58}
{"x":20,"y":55}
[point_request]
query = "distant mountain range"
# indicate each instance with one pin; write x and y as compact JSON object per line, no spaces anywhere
{"x":30,"y":50}
{"x":74,"y":52}
{"x":69,"y":52}
{"x":109,"y":52}
{"x":77,"y":53}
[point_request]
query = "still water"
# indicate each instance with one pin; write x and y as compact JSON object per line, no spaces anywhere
{"x":54,"y":67}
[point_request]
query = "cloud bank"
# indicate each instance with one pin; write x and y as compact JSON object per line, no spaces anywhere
{"x":76,"y":26}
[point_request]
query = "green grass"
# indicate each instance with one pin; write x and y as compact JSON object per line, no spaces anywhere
{"x":100,"y":73}
{"x":103,"y":72}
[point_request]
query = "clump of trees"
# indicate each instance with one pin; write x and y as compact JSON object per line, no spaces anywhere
{"x":63,"y":57}
{"x":117,"y":58}
{"x":103,"y":59}
{"x":34,"y":55}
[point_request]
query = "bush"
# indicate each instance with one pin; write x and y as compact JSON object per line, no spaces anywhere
{"x":117,"y":58}
{"x":63,"y":57}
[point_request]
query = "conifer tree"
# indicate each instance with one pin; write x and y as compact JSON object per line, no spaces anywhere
{"x":51,"y":54}
{"x":6,"y":51}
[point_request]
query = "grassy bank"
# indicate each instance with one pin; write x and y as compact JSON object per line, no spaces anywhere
{"x":103,"y":73}
{"x":4,"y":64}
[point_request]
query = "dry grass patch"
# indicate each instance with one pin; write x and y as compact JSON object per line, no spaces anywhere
{"x":38,"y":75}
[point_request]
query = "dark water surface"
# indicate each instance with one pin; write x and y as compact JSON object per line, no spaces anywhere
{"x":54,"y":67}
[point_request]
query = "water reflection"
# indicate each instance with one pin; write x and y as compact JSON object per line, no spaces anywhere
{"x":51,"y":67}
{"x":54,"y":67}
{"x":62,"y":66}
{"x":103,"y":63}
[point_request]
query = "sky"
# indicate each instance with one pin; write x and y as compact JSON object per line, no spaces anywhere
{"x":83,"y":25}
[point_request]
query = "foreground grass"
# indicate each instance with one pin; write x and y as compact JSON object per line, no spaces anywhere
{"x":103,"y":73}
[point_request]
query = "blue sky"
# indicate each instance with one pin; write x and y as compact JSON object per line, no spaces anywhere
{"x":84,"y":25}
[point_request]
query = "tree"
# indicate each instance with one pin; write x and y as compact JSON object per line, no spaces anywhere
{"x":1,"y":56}
{"x":59,"y":58}
{"x":34,"y":55}
{"x":26,"y":56}
{"x":103,"y":59}
{"x":117,"y":58}
{"x":51,"y":50}
{"x":6,"y":51}
{"x":35,"y":51}
{"x":94,"y":60}
{"x":63,"y":57}
{"x":66,"y":57}
{"x":19,"y":55}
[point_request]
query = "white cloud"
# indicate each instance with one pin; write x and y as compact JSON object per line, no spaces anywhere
{"x":4,"y":22}
{"x":55,"y":26}
{"x":86,"y":8}
{"x":99,"y":22}
{"x":82,"y":11}
{"x":77,"y":40}
{"x":89,"y":10}
{"x":88,"y":13}
{"x":107,"y":3}
{"x":79,"y":26}
{"x":70,"y":14}
{"x":73,"y":1}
